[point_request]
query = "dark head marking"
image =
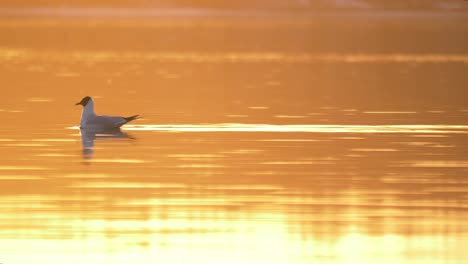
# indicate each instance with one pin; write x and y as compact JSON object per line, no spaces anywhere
{"x":84,"y":101}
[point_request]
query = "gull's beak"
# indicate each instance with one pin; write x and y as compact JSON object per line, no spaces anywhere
{"x":78,"y":103}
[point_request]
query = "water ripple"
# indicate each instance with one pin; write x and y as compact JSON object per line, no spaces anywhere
{"x":236,"y":127}
{"x":8,"y":54}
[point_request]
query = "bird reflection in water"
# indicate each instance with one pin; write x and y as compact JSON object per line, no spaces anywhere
{"x":88,"y":136}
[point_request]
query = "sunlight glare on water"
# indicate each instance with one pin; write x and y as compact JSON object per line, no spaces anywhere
{"x":246,"y":57}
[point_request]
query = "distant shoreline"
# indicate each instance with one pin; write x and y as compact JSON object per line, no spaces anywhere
{"x":105,"y":12}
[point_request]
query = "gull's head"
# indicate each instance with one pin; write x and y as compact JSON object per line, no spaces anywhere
{"x":84,"y":101}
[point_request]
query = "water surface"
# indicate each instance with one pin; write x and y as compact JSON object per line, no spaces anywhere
{"x":304,"y":149}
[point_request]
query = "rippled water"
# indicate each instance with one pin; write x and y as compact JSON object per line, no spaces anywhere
{"x":264,"y":153}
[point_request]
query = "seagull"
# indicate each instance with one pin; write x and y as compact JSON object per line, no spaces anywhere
{"x":89,"y":119}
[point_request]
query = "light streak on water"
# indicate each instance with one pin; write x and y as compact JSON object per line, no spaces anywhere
{"x":234,"y":127}
{"x":9,"y":54}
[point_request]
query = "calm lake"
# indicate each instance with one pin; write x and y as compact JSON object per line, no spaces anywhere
{"x":263,"y":138}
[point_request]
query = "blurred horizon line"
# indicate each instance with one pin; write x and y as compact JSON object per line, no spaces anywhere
{"x":194,"y":12}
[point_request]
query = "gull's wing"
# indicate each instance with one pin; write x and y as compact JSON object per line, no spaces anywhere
{"x":103,"y":121}
{"x":108,"y":121}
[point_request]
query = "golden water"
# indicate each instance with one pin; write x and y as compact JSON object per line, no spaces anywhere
{"x":248,"y":150}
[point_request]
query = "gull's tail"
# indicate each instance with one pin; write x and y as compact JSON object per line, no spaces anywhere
{"x":131,"y":118}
